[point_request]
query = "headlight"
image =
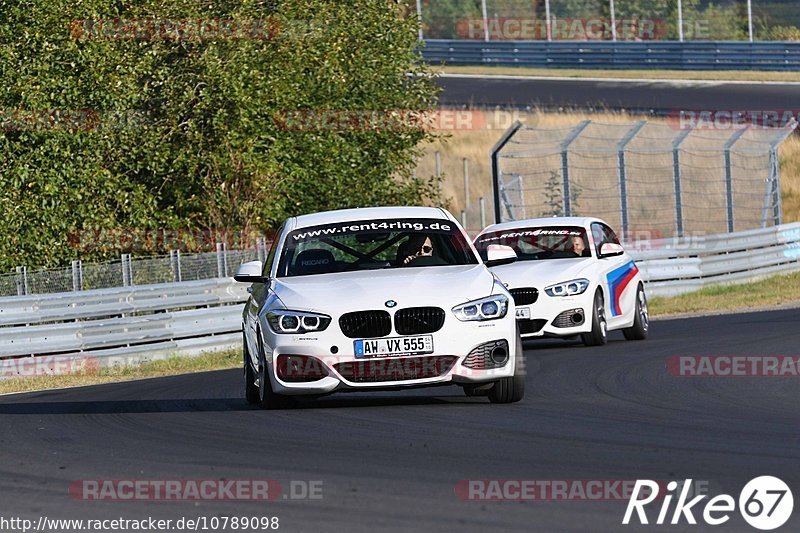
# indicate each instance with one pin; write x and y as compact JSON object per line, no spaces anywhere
{"x":285,"y":321}
{"x":489,"y":308}
{"x":568,"y":288}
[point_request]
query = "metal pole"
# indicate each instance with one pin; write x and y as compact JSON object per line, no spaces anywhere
{"x":565,"y":164}
{"x":77,"y":275}
{"x":222,"y":261}
{"x":495,"y":163}
{"x":613,"y":23}
{"x":22,"y":281}
{"x":729,"y":175}
{"x":483,"y":212}
{"x":549,"y":29}
{"x":466,"y":183}
{"x":623,"y":182}
{"x":175,"y":257}
{"x":126,"y":276}
{"x":485,"y":21}
{"x":676,"y":173}
{"x":464,"y":219}
{"x":750,"y":19}
{"x":680,"y":20}
{"x":419,"y":17}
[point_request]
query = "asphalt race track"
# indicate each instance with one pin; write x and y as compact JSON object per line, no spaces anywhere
{"x":391,"y":461}
{"x":657,"y":97}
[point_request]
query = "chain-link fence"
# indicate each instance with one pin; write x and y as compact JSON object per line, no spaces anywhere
{"x":642,"y":177}
{"x":623,"y":20}
{"x":129,"y":271}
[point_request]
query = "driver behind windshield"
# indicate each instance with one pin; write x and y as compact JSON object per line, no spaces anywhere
{"x":417,"y":245}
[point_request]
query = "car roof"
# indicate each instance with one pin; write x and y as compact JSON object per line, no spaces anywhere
{"x":543,"y":222}
{"x":367,"y":213}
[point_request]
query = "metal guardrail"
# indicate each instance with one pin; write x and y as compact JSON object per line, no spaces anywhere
{"x":678,"y":265}
{"x":133,"y":324}
{"x":687,"y":55}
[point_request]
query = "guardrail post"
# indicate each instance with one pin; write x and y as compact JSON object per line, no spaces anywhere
{"x":77,"y":275}
{"x":729,"y":175}
{"x":222,"y":260}
{"x":676,"y":174}
{"x":22,"y":281}
{"x":565,"y":164}
{"x":495,"y":162}
{"x":127,"y":271}
{"x":175,"y":261}
{"x":261,"y":249}
{"x":623,"y":183}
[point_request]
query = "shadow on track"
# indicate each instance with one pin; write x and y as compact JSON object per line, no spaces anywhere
{"x":124,"y":406}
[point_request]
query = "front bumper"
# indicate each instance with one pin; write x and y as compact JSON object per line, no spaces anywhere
{"x":557,"y":316}
{"x":335,"y":352}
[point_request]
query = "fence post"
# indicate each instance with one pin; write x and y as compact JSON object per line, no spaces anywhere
{"x":483,"y":212}
{"x":438,"y":158}
{"x":175,"y":261}
{"x":729,"y":175}
{"x":77,"y":275}
{"x":466,"y":183}
{"x":495,"y":162}
{"x":261,"y":249}
{"x":222,"y":260}
{"x":565,"y":164}
{"x":676,"y":174}
{"x":464,"y":219}
{"x":22,"y":281}
{"x":623,"y":183}
{"x":774,"y":184}
{"x":126,"y":274}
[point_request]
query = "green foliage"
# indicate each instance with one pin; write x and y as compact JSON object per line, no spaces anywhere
{"x":186,"y":133}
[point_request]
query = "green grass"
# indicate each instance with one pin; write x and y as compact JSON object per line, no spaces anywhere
{"x":770,"y":292}
{"x":166,"y":367}
{"x":726,"y":75}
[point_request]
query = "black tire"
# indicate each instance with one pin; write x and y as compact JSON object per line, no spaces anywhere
{"x":250,"y":388}
{"x":599,"y":334}
{"x":268,"y":399}
{"x":641,"y":322}
{"x":510,"y":390}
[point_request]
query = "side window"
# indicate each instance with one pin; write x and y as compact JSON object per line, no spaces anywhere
{"x":599,"y":236}
{"x":271,"y":254}
{"x":609,"y":235}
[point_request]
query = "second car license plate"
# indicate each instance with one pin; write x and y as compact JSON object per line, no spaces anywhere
{"x":394,"y":346}
{"x":523,"y":312}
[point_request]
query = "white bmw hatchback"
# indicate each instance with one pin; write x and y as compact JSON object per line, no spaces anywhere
{"x":572,"y":277}
{"x":378,"y":298}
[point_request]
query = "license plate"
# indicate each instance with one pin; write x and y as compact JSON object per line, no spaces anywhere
{"x":394,"y":346}
{"x":523,"y":312}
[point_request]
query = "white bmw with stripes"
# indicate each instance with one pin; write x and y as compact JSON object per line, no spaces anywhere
{"x":378,"y":298}
{"x":572,"y":277}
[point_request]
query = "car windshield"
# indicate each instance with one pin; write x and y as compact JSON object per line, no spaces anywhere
{"x":372,"y":245}
{"x":537,"y":243}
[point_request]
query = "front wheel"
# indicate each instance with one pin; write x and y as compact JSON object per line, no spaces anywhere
{"x":510,"y":390}
{"x":599,"y":334}
{"x":641,"y":321}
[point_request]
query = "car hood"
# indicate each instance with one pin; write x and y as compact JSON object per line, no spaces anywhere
{"x":442,"y":286}
{"x":544,"y":272}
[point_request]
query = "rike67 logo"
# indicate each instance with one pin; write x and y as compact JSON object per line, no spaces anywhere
{"x":765,"y":503}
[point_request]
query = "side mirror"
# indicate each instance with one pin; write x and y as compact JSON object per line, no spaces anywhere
{"x":610,"y":249}
{"x":497,"y":254}
{"x":250,"y":273}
